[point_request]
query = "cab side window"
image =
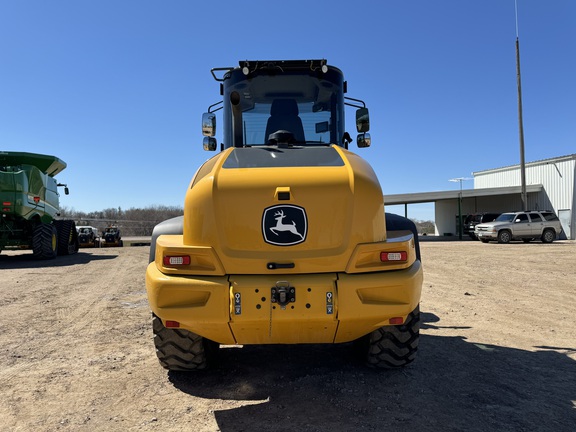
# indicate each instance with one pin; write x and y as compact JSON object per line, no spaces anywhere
{"x":535,"y":217}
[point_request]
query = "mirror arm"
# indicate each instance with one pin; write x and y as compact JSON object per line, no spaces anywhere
{"x":346,"y":98}
{"x":216,"y":104}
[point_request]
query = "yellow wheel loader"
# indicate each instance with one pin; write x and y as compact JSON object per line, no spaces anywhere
{"x":284,"y":238}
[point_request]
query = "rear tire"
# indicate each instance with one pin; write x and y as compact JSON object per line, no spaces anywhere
{"x":182,"y":350}
{"x":45,"y":241}
{"x":548,"y":236}
{"x":67,"y":237}
{"x":392,"y":347}
{"x":395,"y":222}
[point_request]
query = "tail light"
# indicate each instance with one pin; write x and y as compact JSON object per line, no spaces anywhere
{"x":393,"y":256}
{"x":177,"y":260}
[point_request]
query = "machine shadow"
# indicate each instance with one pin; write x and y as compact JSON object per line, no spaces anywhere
{"x":27,"y":260}
{"x":453,"y":385}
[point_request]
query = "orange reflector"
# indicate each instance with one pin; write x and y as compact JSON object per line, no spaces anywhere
{"x":6,"y":203}
{"x":393,"y":256}
{"x":176,"y":260}
{"x":172,"y":324}
{"x":396,"y":320}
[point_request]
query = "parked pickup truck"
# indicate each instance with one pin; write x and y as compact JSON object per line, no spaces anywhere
{"x":525,"y":226}
{"x":474,"y":219}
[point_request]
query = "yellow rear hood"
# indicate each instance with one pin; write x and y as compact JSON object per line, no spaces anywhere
{"x":298,"y":210}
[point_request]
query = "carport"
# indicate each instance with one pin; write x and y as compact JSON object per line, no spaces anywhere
{"x":499,"y":199}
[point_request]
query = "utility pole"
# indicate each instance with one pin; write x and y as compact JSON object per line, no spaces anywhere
{"x":520,"y":121}
{"x":459,"y":180}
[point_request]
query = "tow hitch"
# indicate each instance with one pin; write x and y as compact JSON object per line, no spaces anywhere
{"x":283,"y":294}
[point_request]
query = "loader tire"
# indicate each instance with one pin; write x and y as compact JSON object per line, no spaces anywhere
{"x":395,"y":222}
{"x":45,"y":241}
{"x":67,"y":237}
{"x":181,"y":350}
{"x":391,"y":347}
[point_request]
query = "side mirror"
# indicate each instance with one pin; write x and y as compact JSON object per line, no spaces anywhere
{"x":66,"y":191}
{"x":209,"y":143}
{"x":363,"y":140}
{"x":209,"y":124}
{"x":362,"y":120}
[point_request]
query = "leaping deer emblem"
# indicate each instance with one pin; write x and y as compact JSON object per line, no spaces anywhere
{"x":279,"y":215}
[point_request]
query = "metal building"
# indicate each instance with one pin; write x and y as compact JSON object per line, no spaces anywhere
{"x":557,"y":177}
{"x":550,"y":185}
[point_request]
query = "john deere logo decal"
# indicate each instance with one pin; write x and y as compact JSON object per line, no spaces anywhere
{"x":284,"y":225}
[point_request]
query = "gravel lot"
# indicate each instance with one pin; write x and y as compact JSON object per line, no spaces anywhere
{"x":497,"y":352}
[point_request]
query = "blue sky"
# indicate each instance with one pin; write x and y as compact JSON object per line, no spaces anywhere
{"x":117,"y":88}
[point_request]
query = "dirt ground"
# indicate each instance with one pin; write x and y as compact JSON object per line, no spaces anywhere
{"x":497,"y":352}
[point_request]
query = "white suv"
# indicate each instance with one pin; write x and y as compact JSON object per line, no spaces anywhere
{"x":525,"y":226}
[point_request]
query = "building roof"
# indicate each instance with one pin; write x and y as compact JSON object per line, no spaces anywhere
{"x":424,"y":197}
{"x":534,"y":163}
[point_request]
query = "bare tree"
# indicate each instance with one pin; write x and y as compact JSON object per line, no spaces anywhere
{"x":132,"y":222}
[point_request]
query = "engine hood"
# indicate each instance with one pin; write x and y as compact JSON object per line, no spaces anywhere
{"x":302,"y":209}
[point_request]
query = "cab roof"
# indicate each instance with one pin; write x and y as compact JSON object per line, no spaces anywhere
{"x":50,"y":165}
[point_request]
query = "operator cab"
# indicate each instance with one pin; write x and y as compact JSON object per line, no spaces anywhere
{"x":283,"y":103}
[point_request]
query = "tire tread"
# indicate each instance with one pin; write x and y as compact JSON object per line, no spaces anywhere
{"x":395,"y":346}
{"x":178,"y":349}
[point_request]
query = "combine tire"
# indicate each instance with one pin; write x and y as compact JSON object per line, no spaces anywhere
{"x":181,"y":350}
{"x":67,"y":237}
{"x":45,"y":241}
{"x":391,"y":347}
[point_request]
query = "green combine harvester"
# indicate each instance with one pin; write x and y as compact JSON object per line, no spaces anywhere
{"x":30,"y":205}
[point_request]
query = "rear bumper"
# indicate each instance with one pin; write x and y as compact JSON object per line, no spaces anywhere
{"x":326,"y":308}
